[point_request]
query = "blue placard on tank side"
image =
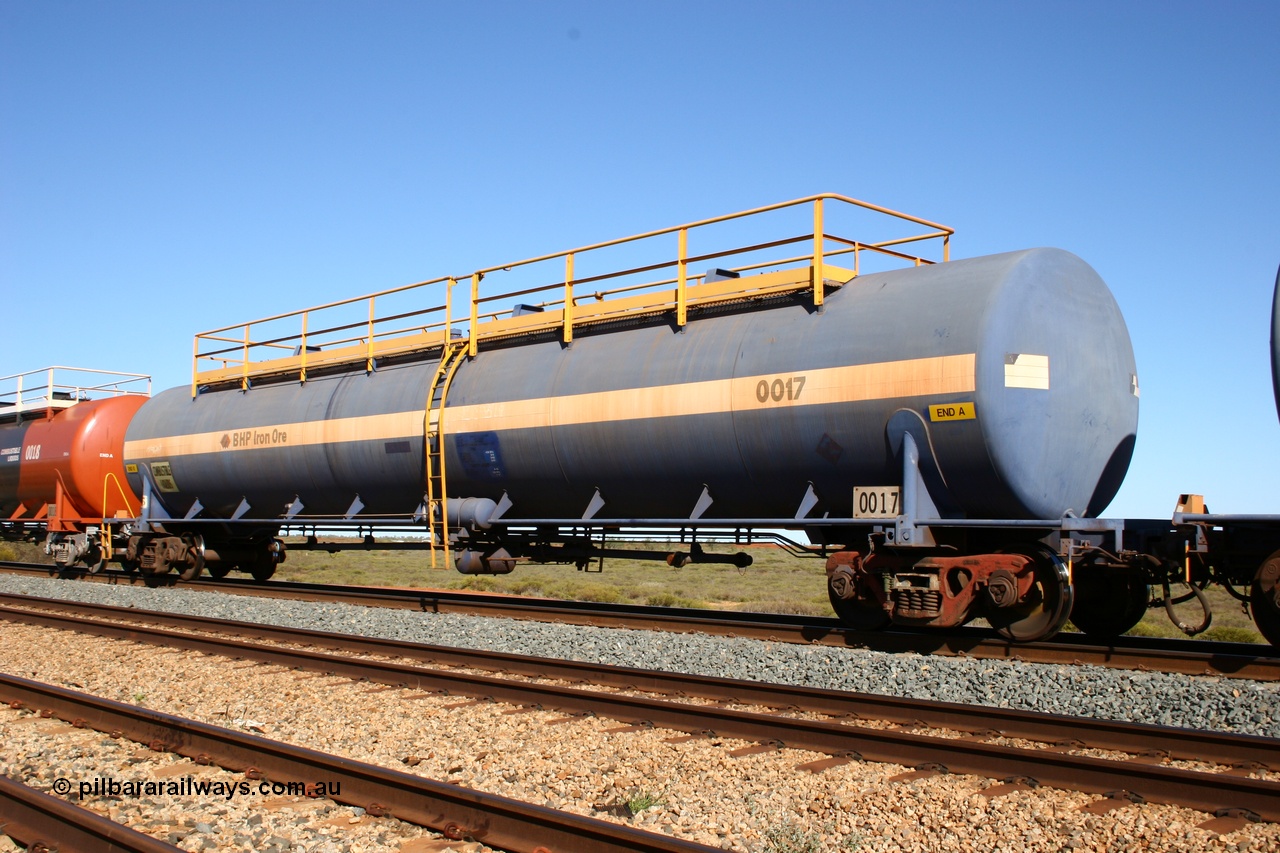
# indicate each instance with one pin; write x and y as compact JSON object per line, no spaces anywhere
{"x":480,"y":456}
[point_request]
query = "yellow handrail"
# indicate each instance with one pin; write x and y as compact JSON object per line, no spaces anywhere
{"x":111,"y":478}
{"x":819,"y":237}
{"x":682,"y":277}
{"x":568,"y":298}
{"x":245,"y":350}
{"x":105,"y":535}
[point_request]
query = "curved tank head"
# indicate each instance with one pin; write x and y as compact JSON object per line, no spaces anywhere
{"x":1275,"y":342}
{"x":1057,"y":373}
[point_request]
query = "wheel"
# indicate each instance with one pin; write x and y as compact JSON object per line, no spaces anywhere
{"x":858,"y":614}
{"x":1264,"y":599}
{"x":94,"y":561}
{"x":194,"y":564}
{"x":1044,"y":610}
{"x":1108,"y":602}
{"x":262,"y":572}
{"x":219,"y":570}
{"x":863,"y":612}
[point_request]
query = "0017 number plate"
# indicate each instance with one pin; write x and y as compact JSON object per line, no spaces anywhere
{"x":876,"y":501}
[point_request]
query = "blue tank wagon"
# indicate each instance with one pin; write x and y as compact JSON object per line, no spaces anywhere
{"x":946,"y":433}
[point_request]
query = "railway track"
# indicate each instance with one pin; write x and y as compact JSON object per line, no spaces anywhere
{"x":41,"y":821}
{"x":454,"y":811}
{"x":977,"y":741}
{"x":1191,"y":657}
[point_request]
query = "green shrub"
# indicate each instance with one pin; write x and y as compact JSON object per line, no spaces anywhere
{"x":641,"y":800}
{"x":670,"y":599}
{"x":525,"y":586}
{"x":1154,"y":629}
{"x":790,"y":606}
{"x":1227,"y":634}
{"x":596,"y":592}
{"x":791,"y":836}
{"x":478,"y":583}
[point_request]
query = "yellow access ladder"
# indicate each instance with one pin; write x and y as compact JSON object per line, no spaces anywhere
{"x":451,"y":356}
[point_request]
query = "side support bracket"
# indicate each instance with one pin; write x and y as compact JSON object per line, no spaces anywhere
{"x":916,"y":503}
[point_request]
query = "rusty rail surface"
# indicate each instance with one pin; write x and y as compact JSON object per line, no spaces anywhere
{"x":1052,"y":728}
{"x":456,"y":811}
{"x":1138,"y":778}
{"x":42,"y":821}
{"x":1190,"y":657}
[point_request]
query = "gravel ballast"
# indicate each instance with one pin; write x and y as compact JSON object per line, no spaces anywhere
{"x":696,"y":788}
{"x":1195,"y":702}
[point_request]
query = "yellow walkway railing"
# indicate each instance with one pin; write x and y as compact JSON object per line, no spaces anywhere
{"x":357,"y":332}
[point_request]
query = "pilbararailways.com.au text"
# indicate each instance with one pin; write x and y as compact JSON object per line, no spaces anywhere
{"x":189,"y":786}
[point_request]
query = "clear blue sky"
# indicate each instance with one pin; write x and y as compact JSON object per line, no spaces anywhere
{"x":171,"y":167}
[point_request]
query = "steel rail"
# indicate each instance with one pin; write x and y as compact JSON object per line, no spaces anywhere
{"x":1053,"y":728}
{"x":41,"y":821}
{"x":1190,"y":657}
{"x":1208,"y":792}
{"x":451,"y":809}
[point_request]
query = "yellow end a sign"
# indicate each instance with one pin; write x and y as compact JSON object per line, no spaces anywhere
{"x":951,"y":412}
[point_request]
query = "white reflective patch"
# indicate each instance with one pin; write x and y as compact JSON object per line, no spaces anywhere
{"x":1026,"y":371}
{"x":1133,"y":384}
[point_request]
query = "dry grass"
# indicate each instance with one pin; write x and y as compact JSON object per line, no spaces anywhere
{"x":776,"y":582}
{"x":1231,"y":622}
{"x":26,"y":552}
